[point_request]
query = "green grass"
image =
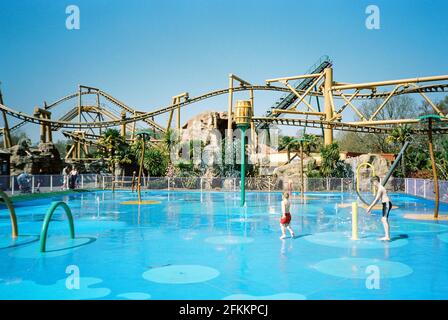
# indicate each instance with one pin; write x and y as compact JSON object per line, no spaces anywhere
{"x":34,"y":196}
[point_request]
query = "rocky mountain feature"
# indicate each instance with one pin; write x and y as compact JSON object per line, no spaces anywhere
{"x":291,"y":171}
{"x":208,"y":126}
{"x":44,"y":159}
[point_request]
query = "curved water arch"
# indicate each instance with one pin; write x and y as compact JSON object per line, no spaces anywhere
{"x":47,"y":219}
{"x":12,"y":213}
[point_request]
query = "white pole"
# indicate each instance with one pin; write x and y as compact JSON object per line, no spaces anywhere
{"x":12,"y":185}
{"x":82,"y":181}
{"x":51,"y":183}
{"x":103,"y":184}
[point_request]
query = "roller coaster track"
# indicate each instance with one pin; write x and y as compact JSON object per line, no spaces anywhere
{"x":288,"y":99}
{"x":131,"y":110}
{"x":15,"y":127}
{"x":144,"y":116}
{"x":73,"y":136}
{"x":110,"y":98}
{"x":89,"y":138}
{"x":140,"y":117}
{"x":318,"y":123}
{"x":73,"y":113}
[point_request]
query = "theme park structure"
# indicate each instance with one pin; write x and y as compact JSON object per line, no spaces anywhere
{"x":314,"y":100}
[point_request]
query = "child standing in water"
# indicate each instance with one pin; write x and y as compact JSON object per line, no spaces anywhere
{"x":387,"y":206}
{"x":286,"y":216}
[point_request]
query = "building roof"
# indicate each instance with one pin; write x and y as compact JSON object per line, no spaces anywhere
{"x":4,"y":152}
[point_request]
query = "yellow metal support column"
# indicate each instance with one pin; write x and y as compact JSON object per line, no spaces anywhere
{"x":140,"y":170}
{"x":6,"y":132}
{"x":42,"y":127}
{"x":178,"y":115}
{"x":123,"y":126}
{"x":434,"y":170}
{"x":49,"y":131}
{"x":328,"y":108}
{"x":253,"y":134}
{"x":69,"y":154}
{"x":133,"y":128}
{"x":302,"y":178}
{"x":79,"y":105}
{"x":355,"y":221}
{"x":170,"y":115}
{"x":230,"y":107}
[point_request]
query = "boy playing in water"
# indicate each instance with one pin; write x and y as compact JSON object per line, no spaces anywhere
{"x":387,"y":206}
{"x":286,"y":216}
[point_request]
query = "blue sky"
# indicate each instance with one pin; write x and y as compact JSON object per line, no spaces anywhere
{"x":144,"y":52}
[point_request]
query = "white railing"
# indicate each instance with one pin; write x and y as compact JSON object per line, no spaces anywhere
{"x":50,"y":183}
{"x":425,"y":188}
{"x":46,"y":183}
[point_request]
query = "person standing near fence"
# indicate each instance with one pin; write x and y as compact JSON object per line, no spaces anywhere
{"x":24,"y":182}
{"x":73,"y":179}
{"x":39,"y":180}
{"x":65,"y":176}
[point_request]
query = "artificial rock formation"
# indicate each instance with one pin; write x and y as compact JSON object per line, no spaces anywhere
{"x":209,"y":127}
{"x":292,"y":170}
{"x":205,"y":126}
{"x":380,"y":164}
{"x":44,"y":159}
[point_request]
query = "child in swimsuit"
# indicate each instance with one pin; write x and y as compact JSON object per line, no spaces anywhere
{"x":286,"y":216}
{"x":387,"y":206}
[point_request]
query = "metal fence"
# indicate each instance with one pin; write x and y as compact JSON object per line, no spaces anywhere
{"x":425,"y":188}
{"x":50,"y":183}
{"x":46,"y":183}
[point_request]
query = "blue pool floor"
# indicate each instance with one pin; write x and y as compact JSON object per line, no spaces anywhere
{"x":193,"y":245}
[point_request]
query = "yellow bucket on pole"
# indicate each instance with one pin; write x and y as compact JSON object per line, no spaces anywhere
{"x":243,"y":112}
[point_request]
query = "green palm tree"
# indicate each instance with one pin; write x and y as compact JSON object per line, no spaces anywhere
{"x":418,"y":160}
{"x":112,"y":146}
{"x":168,"y":139}
{"x":330,"y":160}
{"x":400,"y":135}
{"x":289,"y":144}
{"x":310,"y":143}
